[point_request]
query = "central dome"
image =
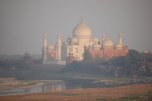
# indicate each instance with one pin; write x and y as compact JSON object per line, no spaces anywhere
{"x":81,"y":30}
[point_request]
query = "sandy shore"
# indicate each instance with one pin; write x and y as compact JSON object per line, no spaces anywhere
{"x":88,"y":94}
{"x":12,"y":83}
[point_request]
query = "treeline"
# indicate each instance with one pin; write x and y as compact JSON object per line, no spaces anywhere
{"x":13,"y":64}
{"x":133,"y":64}
{"x":19,"y":62}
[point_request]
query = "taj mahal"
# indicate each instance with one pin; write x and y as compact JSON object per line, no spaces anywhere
{"x":65,"y":52}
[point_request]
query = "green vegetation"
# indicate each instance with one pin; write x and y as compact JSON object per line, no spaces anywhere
{"x":146,"y":97}
{"x":70,"y":94}
{"x":90,"y":72}
{"x":134,"y":64}
{"x":100,"y":100}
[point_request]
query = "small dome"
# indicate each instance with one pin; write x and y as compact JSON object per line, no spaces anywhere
{"x":51,"y":46}
{"x":96,"y":46}
{"x":119,"y":45}
{"x":107,"y":42}
{"x":95,"y":40}
{"x":81,"y":30}
{"x":74,"y":41}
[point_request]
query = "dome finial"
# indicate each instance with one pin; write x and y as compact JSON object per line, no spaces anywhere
{"x":81,"y":20}
{"x":81,"y":30}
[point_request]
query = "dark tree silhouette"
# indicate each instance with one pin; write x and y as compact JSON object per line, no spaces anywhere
{"x":87,"y":55}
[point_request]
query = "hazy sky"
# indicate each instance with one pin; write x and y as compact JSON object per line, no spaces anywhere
{"x":23,"y":21}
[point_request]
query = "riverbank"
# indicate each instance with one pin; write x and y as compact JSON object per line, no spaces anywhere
{"x":12,"y":86}
{"x":136,"y":92}
{"x":12,"y":83}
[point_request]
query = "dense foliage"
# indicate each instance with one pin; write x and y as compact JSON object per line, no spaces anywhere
{"x":133,"y":64}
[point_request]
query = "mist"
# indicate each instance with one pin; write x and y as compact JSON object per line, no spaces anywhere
{"x":22,"y":22}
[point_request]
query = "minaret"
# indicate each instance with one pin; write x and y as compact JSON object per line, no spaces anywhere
{"x":119,"y":44}
{"x":103,"y":36}
{"x":81,"y":21}
{"x":44,"y":49}
{"x":59,"y":44}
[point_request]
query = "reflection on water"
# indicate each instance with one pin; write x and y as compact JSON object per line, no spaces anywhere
{"x":51,"y":86}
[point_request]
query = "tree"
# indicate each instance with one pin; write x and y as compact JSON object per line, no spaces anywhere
{"x":87,"y":55}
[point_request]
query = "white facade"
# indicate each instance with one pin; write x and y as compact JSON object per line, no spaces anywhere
{"x":81,"y":38}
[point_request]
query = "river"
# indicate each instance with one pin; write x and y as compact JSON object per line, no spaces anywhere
{"x":51,"y":86}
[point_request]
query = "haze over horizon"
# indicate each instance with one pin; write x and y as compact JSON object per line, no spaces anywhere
{"x":23,"y":21}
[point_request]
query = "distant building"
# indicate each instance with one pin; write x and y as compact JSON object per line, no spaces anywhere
{"x":27,"y":58}
{"x":73,"y":48}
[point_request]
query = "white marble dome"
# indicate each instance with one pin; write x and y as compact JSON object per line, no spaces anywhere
{"x":74,"y":41}
{"x":95,"y":40}
{"x":107,"y":42}
{"x":51,"y":46}
{"x":82,"y":31}
{"x":119,"y":45}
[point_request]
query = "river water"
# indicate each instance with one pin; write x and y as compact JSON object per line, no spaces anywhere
{"x":51,"y":86}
